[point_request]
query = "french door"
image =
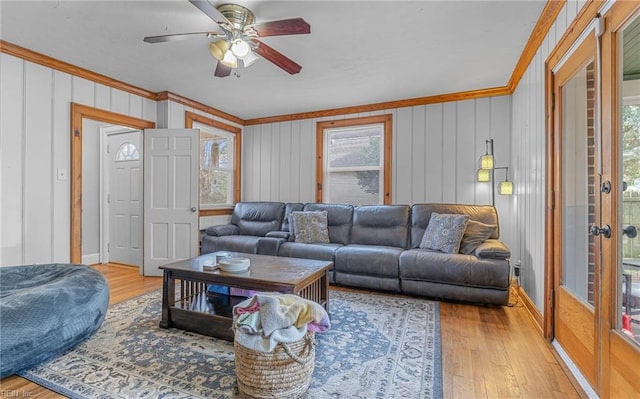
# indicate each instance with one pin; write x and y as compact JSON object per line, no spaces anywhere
{"x":577,"y":215}
{"x":595,"y":180}
{"x":621,"y":156}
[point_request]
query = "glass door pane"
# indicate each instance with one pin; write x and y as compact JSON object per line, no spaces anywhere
{"x":579,"y":182}
{"x":628,"y":292}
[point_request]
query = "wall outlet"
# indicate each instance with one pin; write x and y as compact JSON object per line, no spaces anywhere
{"x":516,"y":270}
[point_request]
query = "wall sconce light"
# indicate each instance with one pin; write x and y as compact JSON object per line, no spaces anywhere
{"x":486,"y":173}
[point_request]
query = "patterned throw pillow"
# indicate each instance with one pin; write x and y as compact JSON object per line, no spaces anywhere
{"x":475,"y":234}
{"x":444,"y":232}
{"x":310,"y":227}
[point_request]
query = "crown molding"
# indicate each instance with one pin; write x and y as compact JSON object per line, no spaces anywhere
{"x":167,"y":95}
{"x":412,"y":102}
{"x":49,"y":62}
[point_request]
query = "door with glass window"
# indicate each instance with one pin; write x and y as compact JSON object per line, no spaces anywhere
{"x":621,"y":94}
{"x":125,"y":198}
{"x":577,"y":216}
{"x":596,"y":207}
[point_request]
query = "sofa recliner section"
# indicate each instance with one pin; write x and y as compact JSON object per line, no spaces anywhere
{"x":378,"y":236}
{"x":250,"y":222}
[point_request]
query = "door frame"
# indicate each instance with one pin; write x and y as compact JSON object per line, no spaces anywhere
{"x":78,"y":113}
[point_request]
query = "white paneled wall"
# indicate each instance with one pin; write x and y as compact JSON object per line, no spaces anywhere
{"x":34,"y":144}
{"x":529,"y":159}
{"x":435,"y":155}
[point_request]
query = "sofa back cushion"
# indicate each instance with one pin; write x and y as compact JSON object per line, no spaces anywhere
{"x":421,"y":214}
{"x":258,"y":218}
{"x":386,"y":225}
{"x":339,"y":219}
{"x":288,"y":208}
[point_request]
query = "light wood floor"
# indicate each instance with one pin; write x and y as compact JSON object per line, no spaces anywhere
{"x":487,"y":352}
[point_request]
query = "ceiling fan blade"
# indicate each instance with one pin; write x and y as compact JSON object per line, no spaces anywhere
{"x":276,"y":57}
{"x":210,"y":11}
{"x":222,"y":70}
{"x":293,"y":26}
{"x":178,"y":36}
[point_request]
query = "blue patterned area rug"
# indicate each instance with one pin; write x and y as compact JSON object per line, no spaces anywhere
{"x":379,"y":346}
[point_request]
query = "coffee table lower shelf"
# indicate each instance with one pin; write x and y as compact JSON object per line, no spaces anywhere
{"x":206,"y":314}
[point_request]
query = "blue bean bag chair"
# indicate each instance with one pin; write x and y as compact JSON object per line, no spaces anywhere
{"x":46,"y":310}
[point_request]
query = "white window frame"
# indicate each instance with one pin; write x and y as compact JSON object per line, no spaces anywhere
{"x":207,"y":131}
{"x":328,"y":169}
{"x":207,"y":124}
{"x":350,"y":124}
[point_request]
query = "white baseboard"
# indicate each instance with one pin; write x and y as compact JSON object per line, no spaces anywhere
{"x":91,"y":259}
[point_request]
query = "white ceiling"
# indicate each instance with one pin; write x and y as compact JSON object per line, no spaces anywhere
{"x":358,"y":52}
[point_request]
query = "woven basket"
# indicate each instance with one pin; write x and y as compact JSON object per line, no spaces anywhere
{"x":283,"y":373}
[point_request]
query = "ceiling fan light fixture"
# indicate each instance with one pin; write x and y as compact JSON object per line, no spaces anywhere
{"x":250,"y":59}
{"x":240,"y":48}
{"x":229,"y":60}
{"x":219,"y":49}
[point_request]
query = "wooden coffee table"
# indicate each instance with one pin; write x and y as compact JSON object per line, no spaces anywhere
{"x":196,"y":310}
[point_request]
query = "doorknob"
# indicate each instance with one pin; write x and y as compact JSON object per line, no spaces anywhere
{"x":630,"y":231}
{"x":604,"y":230}
{"x":193,"y":209}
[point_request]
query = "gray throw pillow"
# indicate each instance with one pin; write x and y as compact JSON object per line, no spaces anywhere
{"x":444,"y":232}
{"x":475,"y":234}
{"x":310,"y":227}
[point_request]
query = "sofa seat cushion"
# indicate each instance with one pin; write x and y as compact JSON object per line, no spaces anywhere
{"x":371,"y":260}
{"x":319,"y":251}
{"x":238,"y":243}
{"x":46,"y":310}
{"x":457,"y":269}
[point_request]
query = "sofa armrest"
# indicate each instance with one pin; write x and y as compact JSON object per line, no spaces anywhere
{"x":223,"y":230}
{"x":269,"y":245}
{"x":493,"y":249}
{"x":285,"y":235}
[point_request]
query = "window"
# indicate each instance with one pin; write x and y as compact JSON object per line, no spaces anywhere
{"x":216,"y":167}
{"x":219,"y":164}
{"x":127,"y":152}
{"x":354,"y":160}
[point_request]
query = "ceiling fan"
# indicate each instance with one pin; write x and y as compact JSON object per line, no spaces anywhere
{"x":237,"y":37}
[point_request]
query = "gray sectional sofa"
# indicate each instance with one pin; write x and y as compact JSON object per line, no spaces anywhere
{"x":377,"y":247}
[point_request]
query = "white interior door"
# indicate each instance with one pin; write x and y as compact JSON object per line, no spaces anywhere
{"x":125,"y":198}
{"x":171,"y":197}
